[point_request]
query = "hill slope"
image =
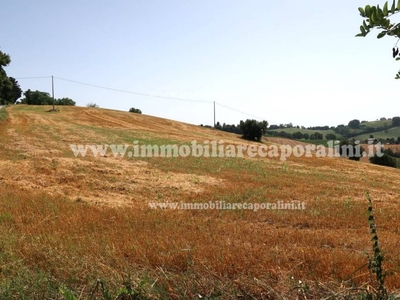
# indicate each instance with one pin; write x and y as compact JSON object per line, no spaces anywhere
{"x":76,"y":219}
{"x":380,"y":129}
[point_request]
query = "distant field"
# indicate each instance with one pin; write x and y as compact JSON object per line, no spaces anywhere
{"x":376,"y":124}
{"x":395,"y":148}
{"x":83,"y":225}
{"x":309,"y":131}
{"x":384,"y":134}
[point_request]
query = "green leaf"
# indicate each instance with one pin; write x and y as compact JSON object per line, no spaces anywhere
{"x":373,"y":9}
{"x":385,"y":9}
{"x":381,"y":35}
{"x":393,"y":9}
{"x":398,"y":4}
{"x":373,"y":18}
{"x":362,"y":12}
{"x":368,"y":10}
{"x":397,"y":58}
{"x":366,"y":27}
{"x":378,"y":13}
{"x":360,"y":34}
{"x":362,"y":30}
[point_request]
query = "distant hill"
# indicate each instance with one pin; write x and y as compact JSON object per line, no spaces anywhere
{"x":384,"y":130}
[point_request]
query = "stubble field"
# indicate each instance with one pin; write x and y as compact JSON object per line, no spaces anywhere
{"x":82,"y":226}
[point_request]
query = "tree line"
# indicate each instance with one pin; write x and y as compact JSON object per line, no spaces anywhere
{"x":10,"y":90}
{"x":301,"y":136}
{"x":353,"y":128}
{"x":250,"y":129}
{"x":43,"y":98}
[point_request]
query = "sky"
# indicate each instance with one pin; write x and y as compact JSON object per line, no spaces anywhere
{"x":282,"y":61}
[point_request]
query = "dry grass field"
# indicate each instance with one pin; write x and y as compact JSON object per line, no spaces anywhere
{"x":81,"y":227}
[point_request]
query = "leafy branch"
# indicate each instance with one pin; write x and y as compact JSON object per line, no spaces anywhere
{"x":379,"y":18}
{"x":376,"y":17}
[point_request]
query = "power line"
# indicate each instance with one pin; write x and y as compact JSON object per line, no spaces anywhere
{"x":242,"y":112}
{"x":157,"y":96}
{"x":146,"y":95}
{"x":134,"y":93}
{"x":238,"y":111}
{"x":37,"y":77}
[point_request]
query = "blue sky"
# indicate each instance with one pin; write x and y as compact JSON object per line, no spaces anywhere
{"x":282,"y":61}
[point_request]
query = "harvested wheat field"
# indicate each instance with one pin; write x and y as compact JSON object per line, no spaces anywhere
{"x":75,"y":227}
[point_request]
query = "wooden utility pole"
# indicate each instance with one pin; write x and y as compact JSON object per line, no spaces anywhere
{"x":214,"y":114}
{"x":52,"y":90}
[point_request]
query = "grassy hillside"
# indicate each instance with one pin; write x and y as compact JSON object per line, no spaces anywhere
{"x":309,"y":131}
{"x":393,"y":132}
{"x":83,"y":225}
{"x":389,"y":132}
{"x":376,"y":124}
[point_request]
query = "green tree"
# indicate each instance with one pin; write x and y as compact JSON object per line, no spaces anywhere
{"x":11,"y":93}
{"x":330,"y":136}
{"x":379,"y":18}
{"x":135,"y":110}
{"x":37,"y":98}
{"x":384,"y":160}
{"x":316,"y":136}
{"x":65,"y":101}
{"x":354,"y":124}
{"x":297,"y":135}
{"x":4,"y":62}
{"x":6,"y":84}
{"x":94,"y":105}
{"x":351,"y":149}
{"x":43,"y":98}
{"x":343,"y":130}
{"x":252,"y":129}
{"x":395,"y":121}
